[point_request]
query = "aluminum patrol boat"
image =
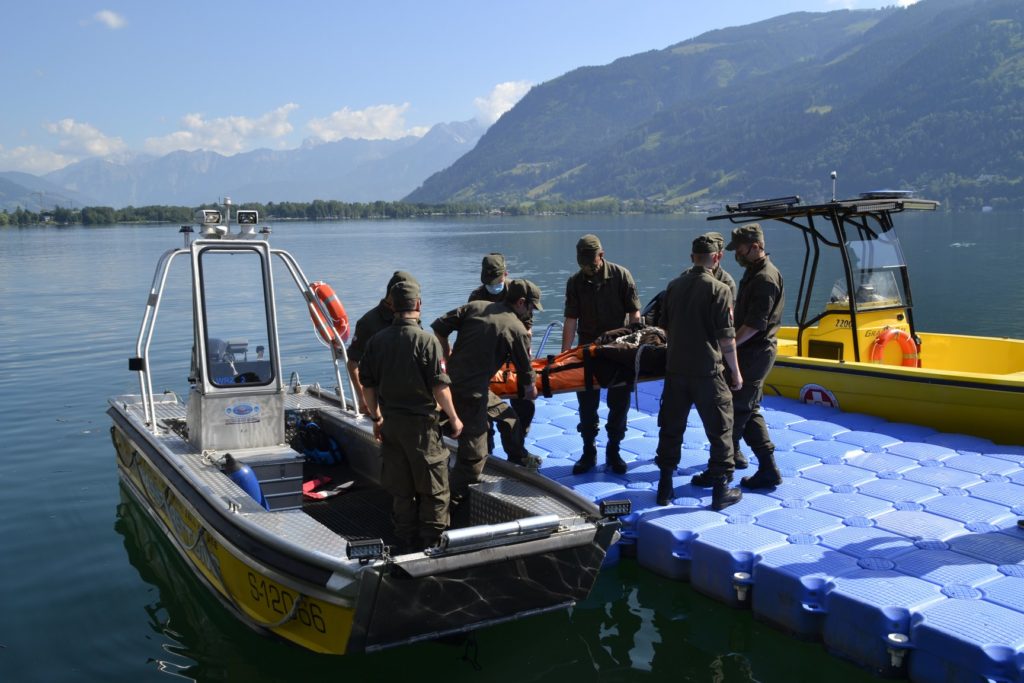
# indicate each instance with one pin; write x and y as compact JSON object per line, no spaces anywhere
{"x":223,"y":477}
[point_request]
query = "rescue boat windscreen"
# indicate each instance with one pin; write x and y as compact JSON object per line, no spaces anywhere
{"x":236,"y":318}
{"x":875,"y":266}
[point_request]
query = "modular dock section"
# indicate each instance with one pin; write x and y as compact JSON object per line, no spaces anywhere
{"x":896,"y":545}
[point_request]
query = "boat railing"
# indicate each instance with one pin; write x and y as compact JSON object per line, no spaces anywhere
{"x":544,"y":340}
{"x":338,"y":351}
{"x":140,"y":363}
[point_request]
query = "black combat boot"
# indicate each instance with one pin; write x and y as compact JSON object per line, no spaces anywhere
{"x":705,"y":479}
{"x":665,"y":492}
{"x":722,"y":496}
{"x":739,"y":458}
{"x":613,"y":459}
{"x":767,"y":475}
{"x":589,"y":459}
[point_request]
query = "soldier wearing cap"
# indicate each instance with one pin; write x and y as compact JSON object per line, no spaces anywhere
{"x":404,"y":380}
{"x":373,"y":321}
{"x":488,"y":333}
{"x":758,"y":315}
{"x":697,"y":318}
{"x":652,"y":311}
{"x":720,"y":273}
{"x":601,"y":296}
{"x":512,"y":419}
{"x":492,"y":279}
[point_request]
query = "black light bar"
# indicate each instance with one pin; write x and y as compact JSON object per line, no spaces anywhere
{"x":365,"y":550}
{"x":615,"y":508}
{"x":760,"y":204}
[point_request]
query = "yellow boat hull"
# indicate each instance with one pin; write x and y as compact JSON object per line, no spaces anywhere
{"x":968,"y":385}
{"x":300,"y":614}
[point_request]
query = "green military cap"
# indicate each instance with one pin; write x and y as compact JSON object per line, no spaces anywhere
{"x":492,"y":269}
{"x":717,"y":239}
{"x":586,"y":247}
{"x":524,"y":289}
{"x":401,"y":276}
{"x":404,"y":295}
{"x":705,"y":245}
{"x":745,"y":234}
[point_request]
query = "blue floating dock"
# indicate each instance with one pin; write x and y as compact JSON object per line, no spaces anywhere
{"x":895,"y":545}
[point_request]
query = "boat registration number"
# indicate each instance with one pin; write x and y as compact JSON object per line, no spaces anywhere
{"x":281,"y":601}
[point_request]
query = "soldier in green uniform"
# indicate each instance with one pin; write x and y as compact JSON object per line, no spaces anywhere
{"x":404,"y":381}
{"x":373,"y":321}
{"x":513,"y":418}
{"x":601,"y":296}
{"x":759,"y":305}
{"x":697,"y":318}
{"x":488,"y":333}
{"x":722,"y":275}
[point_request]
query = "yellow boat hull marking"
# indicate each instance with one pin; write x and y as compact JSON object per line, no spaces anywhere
{"x":290,"y":611}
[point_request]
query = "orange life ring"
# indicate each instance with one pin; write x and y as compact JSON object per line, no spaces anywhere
{"x":325,"y":331}
{"x":907,"y":345}
{"x":330,"y":300}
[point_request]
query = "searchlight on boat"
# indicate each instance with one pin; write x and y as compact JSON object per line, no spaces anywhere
{"x":212,"y":223}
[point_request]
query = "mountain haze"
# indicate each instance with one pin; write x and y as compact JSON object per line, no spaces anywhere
{"x":929,"y":97}
{"x":348,"y":170}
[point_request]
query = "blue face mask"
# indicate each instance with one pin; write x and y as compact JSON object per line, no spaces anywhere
{"x":495,"y":289}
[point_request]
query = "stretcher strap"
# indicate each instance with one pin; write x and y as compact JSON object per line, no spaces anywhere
{"x":545,"y":378}
{"x":588,"y":376}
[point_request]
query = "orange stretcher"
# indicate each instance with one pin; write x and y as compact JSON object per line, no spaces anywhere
{"x":589,"y":366}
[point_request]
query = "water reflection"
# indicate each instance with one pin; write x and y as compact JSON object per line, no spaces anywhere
{"x":634,"y":626}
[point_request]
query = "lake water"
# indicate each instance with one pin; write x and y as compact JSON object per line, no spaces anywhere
{"x":86,"y":595}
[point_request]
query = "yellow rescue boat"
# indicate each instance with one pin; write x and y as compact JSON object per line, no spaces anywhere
{"x":863,"y":352}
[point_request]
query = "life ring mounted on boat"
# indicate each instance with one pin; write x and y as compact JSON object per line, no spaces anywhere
{"x":334,"y":308}
{"x":907,"y":344}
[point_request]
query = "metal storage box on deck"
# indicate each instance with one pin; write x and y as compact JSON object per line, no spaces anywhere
{"x":279,"y":473}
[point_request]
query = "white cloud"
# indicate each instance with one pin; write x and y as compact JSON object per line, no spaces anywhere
{"x":110,"y":19}
{"x":227,"y":135}
{"x":502,"y":98}
{"x":32,"y":159}
{"x":381,"y":121}
{"x":83,"y":139}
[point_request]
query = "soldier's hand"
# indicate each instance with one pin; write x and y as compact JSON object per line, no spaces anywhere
{"x":455,"y":424}
{"x":530,"y":393}
{"x":737,"y":382}
{"x":376,"y":430}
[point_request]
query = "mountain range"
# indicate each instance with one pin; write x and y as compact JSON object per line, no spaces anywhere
{"x":928,"y":97}
{"x":351,"y":170}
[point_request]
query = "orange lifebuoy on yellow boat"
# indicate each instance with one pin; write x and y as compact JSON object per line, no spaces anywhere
{"x":907,"y":344}
{"x":330,"y":300}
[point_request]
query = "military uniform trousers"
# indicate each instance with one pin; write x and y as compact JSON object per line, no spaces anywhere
{"x":748,"y":422}
{"x":414,"y":470}
{"x":471,"y":455}
{"x":713,"y":399}
{"x":617,"y":398}
{"x":510,"y":424}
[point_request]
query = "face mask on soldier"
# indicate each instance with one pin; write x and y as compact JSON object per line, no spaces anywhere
{"x":495,"y":289}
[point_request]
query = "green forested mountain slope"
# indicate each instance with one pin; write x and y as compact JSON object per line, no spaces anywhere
{"x":929,"y":97}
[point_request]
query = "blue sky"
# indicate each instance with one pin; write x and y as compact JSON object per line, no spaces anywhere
{"x":83,"y":80}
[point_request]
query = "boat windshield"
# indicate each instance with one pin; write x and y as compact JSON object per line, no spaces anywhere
{"x":235,"y":311}
{"x":874,"y":265}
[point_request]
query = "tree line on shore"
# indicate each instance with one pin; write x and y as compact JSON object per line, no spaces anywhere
{"x":319,"y":210}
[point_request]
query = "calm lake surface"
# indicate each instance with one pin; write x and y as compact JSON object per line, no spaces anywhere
{"x":88,"y":589}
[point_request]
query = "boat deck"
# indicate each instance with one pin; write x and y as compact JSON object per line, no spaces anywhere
{"x":879,"y":528}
